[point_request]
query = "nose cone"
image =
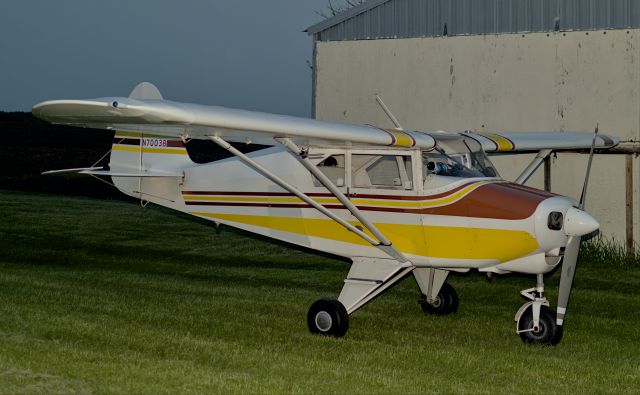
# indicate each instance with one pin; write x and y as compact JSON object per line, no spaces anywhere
{"x":579,"y":223}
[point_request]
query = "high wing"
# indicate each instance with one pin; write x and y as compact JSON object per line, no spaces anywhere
{"x":195,"y":121}
{"x":145,"y":111}
{"x":518,"y":142}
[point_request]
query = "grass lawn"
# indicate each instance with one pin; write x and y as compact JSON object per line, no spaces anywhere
{"x":107,"y":297}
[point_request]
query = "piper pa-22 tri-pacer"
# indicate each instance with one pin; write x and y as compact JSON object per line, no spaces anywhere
{"x":394,"y":201}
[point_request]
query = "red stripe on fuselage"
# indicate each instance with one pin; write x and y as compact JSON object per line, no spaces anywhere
{"x":494,"y":201}
{"x":320,"y":194}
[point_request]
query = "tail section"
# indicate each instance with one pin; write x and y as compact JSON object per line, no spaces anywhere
{"x":153,"y":156}
{"x":157,"y":158}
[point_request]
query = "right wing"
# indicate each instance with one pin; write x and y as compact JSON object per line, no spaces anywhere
{"x":200,"y":122}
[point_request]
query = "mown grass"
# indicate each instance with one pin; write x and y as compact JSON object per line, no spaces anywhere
{"x":106,"y":297}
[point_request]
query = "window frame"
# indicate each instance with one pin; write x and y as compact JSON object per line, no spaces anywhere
{"x":416,"y":170}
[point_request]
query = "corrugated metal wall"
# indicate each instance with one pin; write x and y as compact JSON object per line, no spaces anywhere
{"x":427,"y":18}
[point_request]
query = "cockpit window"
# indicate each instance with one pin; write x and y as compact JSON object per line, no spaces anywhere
{"x":457,"y":156}
{"x":381,"y":171}
{"x":333,"y":168}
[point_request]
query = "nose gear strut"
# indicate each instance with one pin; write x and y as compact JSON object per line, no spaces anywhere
{"x":535,"y":321}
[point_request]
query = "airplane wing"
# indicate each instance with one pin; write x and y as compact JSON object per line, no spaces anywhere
{"x":146,"y":111}
{"x":200,"y":122}
{"x":518,"y":142}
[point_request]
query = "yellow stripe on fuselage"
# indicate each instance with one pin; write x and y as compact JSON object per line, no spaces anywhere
{"x":359,"y":202}
{"x":430,"y":241}
{"x":149,"y":150}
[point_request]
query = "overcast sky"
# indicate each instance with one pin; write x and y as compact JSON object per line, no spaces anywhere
{"x":236,"y":53}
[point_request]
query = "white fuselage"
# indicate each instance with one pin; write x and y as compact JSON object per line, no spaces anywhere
{"x":482,"y":223}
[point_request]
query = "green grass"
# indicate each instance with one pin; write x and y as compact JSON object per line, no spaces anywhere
{"x":608,"y":251}
{"x":107,"y":297}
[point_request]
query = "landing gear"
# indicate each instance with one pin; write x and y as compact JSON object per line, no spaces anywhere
{"x":328,"y":317}
{"x":545,"y":332}
{"x":446,"y":302}
{"x":536,"y":322}
{"x":438,"y":297}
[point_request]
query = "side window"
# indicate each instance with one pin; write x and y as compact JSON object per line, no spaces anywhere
{"x":333,"y":168}
{"x":381,"y":171}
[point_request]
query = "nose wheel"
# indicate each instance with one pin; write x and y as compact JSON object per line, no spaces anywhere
{"x":544,"y":332}
{"x":536,"y":322}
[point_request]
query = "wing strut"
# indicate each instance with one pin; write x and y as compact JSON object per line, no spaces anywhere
{"x":386,"y":110}
{"x":385,"y":245}
{"x":533,"y":166}
{"x":285,"y":185}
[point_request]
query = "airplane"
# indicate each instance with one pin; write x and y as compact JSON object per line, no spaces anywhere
{"x":396,"y":202}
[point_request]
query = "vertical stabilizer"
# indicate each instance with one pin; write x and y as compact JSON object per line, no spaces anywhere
{"x":145,"y":91}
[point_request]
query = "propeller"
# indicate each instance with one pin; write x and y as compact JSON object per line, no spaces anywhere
{"x":571,"y":251}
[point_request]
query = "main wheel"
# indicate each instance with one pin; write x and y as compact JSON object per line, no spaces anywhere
{"x":328,"y":317}
{"x":547,"y":331}
{"x":445,"y":303}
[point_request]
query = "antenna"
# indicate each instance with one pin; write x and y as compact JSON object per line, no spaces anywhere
{"x":386,"y":110}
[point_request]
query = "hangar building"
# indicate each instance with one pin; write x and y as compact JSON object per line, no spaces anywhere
{"x":497,"y":65}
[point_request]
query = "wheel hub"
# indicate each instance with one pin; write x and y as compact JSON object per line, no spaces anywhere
{"x":537,"y":329}
{"x":323,"y":321}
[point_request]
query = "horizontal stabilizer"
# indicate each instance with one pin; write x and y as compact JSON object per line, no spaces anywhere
{"x":100,"y":171}
{"x":70,"y":171}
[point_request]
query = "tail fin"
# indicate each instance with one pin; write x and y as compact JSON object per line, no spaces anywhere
{"x":145,"y":91}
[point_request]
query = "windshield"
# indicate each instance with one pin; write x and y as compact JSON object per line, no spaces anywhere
{"x":457,"y":156}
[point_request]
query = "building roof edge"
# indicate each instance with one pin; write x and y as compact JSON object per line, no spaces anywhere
{"x":343,"y":16}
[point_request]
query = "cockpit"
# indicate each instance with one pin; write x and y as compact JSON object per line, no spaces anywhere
{"x":453,"y":158}
{"x":456,"y":156}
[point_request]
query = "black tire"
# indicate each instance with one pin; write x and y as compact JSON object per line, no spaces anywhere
{"x":548,"y":332}
{"x":328,"y":317}
{"x":445,"y":303}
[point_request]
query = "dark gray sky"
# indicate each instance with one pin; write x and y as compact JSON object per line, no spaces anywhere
{"x":236,"y":53}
